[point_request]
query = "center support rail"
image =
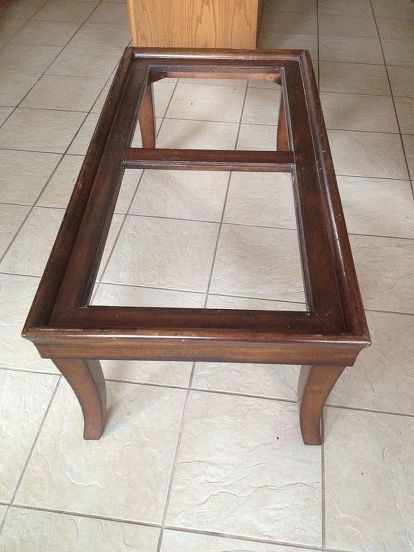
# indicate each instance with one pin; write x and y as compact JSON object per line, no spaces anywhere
{"x":325,"y":339}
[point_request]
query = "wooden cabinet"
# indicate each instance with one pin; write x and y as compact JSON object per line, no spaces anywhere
{"x":194,"y":23}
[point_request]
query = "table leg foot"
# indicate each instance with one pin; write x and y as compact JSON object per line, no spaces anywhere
{"x":88,"y":383}
{"x":146,"y":117}
{"x":315,"y":384}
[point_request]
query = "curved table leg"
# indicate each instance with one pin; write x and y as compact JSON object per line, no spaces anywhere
{"x":146,"y":117}
{"x":87,"y":381}
{"x":315,"y":384}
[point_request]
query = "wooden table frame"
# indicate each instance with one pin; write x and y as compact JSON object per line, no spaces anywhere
{"x":75,"y":335}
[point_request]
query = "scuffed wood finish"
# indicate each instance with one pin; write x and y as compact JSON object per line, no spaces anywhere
{"x":326,"y":338}
{"x":194,"y":23}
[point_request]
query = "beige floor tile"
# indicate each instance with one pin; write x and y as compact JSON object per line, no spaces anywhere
{"x":114,"y":229}
{"x":212,"y":103}
{"x":181,"y":194}
{"x":211,"y":82}
{"x":26,"y":58}
{"x":383,"y":376}
{"x":46,"y":33}
{"x":30,"y":250}
{"x":24,"y":399}
{"x":266,"y":380}
{"x":162,"y":95}
{"x":402,"y":80}
{"x":354,"y":78}
{"x":16,"y":296}
{"x":83,"y":138}
{"x":245,"y":455}
{"x":115,"y":14}
{"x":405,"y":113}
{"x":356,"y":7}
{"x":367,"y":154}
{"x":36,"y":531}
{"x":298,"y":6}
{"x":11,"y":217}
{"x":353,"y":49}
{"x":347,"y":25}
{"x":409,"y":152}
{"x":248,"y":264}
{"x":262,"y":106}
{"x":159,"y":373}
{"x":163,"y":253}
{"x":399,"y":52}
{"x":136,"y":139}
{"x":391,"y":8}
{"x":4,"y":113}
{"x":98,"y":105}
{"x":79,"y":61}
{"x":176,"y":541}
{"x":377,"y":207}
{"x":57,"y":192}
{"x":358,"y":112}
{"x":23,"y":175}
{"x":123,"y":475}
{"x":395,"y":27}
{"x":21,"y":9}
{"x":40,"y":130}
{"x":65,"y":10}
{"x":384,"y":267}
{"x":97,"y":35}
{"x":290,"y":41}
{"x":261,"y":199}
{"x":248,"y":303}
{"x":69,"y":93}
{"x":177,"y":133}
{"x":3,"y":510}
{"x":129,"y":184}
{"x":14,"y":86}
{"x":370,"y":484}
{"x":304,"y":22}
{"x":257,"y":137}
{"x":8,"y":28}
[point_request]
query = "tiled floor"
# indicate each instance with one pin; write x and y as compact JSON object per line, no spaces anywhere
{"x":208,"y":457}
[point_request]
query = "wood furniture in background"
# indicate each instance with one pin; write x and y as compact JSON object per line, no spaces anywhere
{"x":194,"y":23}
{"x":75,"y":334}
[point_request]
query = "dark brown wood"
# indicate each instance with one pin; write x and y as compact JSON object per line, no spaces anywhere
{"x":64,"y":326}
{"x":146,"y":116}
{"x":315,"y":384}
{"x":87,"y":381}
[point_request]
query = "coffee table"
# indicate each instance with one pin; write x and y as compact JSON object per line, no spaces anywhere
{"x":65,"y":327}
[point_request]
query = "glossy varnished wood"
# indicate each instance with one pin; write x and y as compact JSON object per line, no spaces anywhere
{"x":325,"y":339}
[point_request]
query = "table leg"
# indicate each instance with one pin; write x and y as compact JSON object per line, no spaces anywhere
{"x":282,"y":131}
{"x":315,"y":384}
{"x":146,"y":117}
{"x":87,"y":381}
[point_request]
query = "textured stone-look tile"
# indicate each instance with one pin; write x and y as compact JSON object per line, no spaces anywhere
{"x":16,"y":296}
{"x":162,"y":94}
{"x":136,"y":139}
{"x":351,"y":49}
{"x":23,"y":175}
{"x":65,"y":10}
{"x":377,"y":206}
{"x":297,"y":6}
{"x":370,"y":484}
{"x":177,"y":133}
{"x":409,"y":152}
{"x":385,"y":272}
{"x":257,"y":137}
{"x":211,"y":82}
{"x":262,"y":106}
{"x":83,"y":138}
{"x":8,"y":28}
{"x":176,"y":541}
{"x":123,"y":475}
{"x":21,"y":9}
{"x":80,"y":61}
{"x":248,"y":303}
{"x":261,"y":199}
{"x":405,"y":113}
{"x":242,"y":469}
{"x":102,"y":35}
{"x":267,"y":380}
{"x":159,"y":373}
{"x":4,"y":113}
{"x":24,"y":399}
{"x":358,"y":112}
{"x":289,"y":22}
{"x":367,"y":154}
{"x":36,"y":531}
{"x":40,"y":130}
{"x":14,"y":86}
{"x":46,"y":33}
{"x":398,"y":52}
{"x":71,"y":93}
{"x":60,"y":186}
{"x":163,"y":253}
{"x":392,"y":8}
{"x":402,"y":80}
{"x":347,"y":25}
{"x":181,"y":194}
{"x":288,"y":41}
{"x":31,"y":247}
{"x":215,"y":103}
{"x":395,"y":27}
{"x":356,"y":78}
{"x":110,"y":13}
{"x":383,"y":376}
{"x":114,"y":229}
{"x":26,"y":58}
{"x":248,"y":264}
{"x":11,"y":217}
{"x":356,"y":7}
